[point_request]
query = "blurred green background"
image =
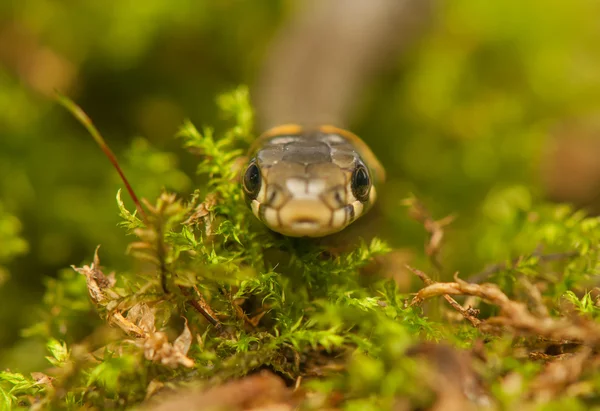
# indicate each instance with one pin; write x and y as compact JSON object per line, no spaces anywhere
{"x":464,"y":119}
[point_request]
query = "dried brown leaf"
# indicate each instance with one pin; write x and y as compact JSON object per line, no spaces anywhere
{"x":158,"y":349}
{"x":126,"y":325}
{"x":184,"y":341}
{"x":202,"y":210}
{"x":154,"y":346}
{"x":142,"y":316}
{"x":42,"y":379}
{"x":98,"y":284}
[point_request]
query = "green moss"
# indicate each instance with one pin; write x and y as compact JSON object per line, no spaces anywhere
{"x":249,"y":299}
{"x":11,"y":242}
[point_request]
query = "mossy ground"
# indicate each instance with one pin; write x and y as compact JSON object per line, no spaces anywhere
{"x":216,"y":298}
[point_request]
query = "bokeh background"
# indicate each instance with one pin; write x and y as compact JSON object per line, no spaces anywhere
{"x":494,"y":103}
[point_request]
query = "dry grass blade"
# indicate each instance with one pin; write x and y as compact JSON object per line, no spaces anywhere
{"x":85,"y":120}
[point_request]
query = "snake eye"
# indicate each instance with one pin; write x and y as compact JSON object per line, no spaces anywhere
{"x":361,"y":183}
{"x":252,"y":181}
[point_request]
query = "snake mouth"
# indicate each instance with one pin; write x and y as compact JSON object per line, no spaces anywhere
{"x":306,"y":227}
{"x":304,"y":218}
{"x":305,"y":221}
{"x":307,"y":216}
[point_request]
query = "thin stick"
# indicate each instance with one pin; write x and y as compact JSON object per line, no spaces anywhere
{"x":463,"y":311}
{"x":202,"y":307}
{"x":515,"y":315}
{"x":84,"y":119}
{"x":435,"y":228}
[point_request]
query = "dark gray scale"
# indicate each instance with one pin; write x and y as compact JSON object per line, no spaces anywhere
{"x":270,"y":155}
{"x":344,"y":157}
{"x":307,"y":151}
{"x":340,"y":149}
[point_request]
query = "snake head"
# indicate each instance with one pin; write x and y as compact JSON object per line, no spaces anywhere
{"x":307,"y":183}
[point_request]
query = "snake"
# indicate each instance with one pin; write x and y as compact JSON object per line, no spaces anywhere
{"x":310,"y":181}
{"x":308,"y":175}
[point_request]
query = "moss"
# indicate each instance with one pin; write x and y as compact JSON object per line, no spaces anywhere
{"x":216,"y":296}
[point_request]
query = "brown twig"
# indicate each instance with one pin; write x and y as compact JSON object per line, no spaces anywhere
{"x":202,"y":307}
{"x":515,"y":315}
{"x":435,"y":228}
{"x":465,"y":312}
{"x":85,"y":120}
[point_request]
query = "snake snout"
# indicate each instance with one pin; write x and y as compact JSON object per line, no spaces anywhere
{"x":310,"y":182}
{"x":305,"y":217}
